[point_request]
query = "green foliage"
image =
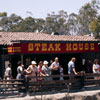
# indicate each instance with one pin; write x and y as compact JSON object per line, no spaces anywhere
{"x":3,"y":14}
{"x":95,"y":27}
{"x":56,"y":22}
{"x":82,"y":23}
{"x":86,"y":14}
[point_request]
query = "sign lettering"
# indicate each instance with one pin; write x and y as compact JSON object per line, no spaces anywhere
{"x":53,"y":48}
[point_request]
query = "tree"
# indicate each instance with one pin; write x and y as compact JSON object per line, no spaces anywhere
{"x":86,"y":14}
{"x":95,"y":27}
{"x":39,"y":24}
{"x":56,"y":22}
{"x":72,"y":24}
{"x":8,"y":23}
{"x":14,"y":19}
{"x":26,"y":25}
{"x":3,"y":14}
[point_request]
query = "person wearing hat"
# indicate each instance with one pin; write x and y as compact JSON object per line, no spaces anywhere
{"x":46,"y":70}
{"x":55,"y":68}
{"x":32,"y":70}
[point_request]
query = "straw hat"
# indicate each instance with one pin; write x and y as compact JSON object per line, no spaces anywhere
{"x":45,"y":62}
{"x":33,"y":62}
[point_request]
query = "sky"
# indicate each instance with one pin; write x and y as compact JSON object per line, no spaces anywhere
{"x":40,"y":8}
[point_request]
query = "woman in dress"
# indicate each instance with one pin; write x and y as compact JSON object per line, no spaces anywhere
{"x":40,"y":71}
{"x":32,"y":71}
{"x":46,"y":71}
{"x":96,"y":67}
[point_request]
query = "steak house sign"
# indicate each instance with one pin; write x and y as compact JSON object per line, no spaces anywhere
{"x":53,"y":48}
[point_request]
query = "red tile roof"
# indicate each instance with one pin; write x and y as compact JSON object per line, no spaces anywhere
{"x":7,"y":37}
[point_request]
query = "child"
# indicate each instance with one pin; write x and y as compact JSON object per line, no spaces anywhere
{"x":61,"y":73}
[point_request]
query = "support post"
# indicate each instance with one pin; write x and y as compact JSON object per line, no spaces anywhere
{"x":22,"y":58}
{"x":82,"y":80}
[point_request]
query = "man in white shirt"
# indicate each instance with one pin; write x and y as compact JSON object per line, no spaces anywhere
{"x":8,"y":72}
{"x":55,"y":68}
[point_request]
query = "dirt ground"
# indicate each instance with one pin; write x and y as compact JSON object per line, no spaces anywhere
{"x":87,"y":94}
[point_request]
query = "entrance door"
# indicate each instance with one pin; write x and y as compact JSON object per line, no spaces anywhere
{"x":14,"y":61}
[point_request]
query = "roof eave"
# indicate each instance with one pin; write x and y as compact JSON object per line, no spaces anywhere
{"x":45,"y":41}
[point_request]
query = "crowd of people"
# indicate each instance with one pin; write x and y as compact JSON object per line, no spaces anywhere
{"x":43,"y":70}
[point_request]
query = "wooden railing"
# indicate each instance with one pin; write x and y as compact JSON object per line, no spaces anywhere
{"x":33,"y":84}
{"x":11,"y":86}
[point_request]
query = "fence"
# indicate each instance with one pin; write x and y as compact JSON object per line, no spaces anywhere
{"x":53,"y":85}
{"x":11,"y":86}
{"x":33,"y":84}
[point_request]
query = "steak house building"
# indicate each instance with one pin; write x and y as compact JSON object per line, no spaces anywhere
{"x":26,"y":47}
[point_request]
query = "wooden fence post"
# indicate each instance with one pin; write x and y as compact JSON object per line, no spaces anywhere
{"x":82,"y":80}
{"x":27,"y":84}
